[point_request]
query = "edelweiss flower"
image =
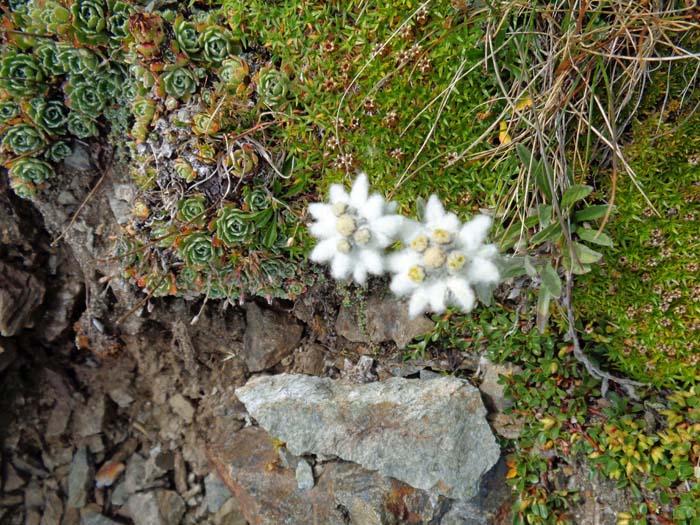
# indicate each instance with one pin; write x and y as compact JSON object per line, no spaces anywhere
{"x":353,"y":231}
{"x":443,"y":261}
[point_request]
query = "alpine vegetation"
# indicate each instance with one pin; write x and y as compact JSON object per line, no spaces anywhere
{"x":444,"y":261}
{"x":354,"y":231}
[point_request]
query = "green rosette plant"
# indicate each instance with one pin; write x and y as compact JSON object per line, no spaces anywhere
{"x":51,"y":116}
{"x":118,"y":20}
{"x":21,"y":74}
{"x":184,"y":170}
{"x":89,"y":22}
{"x":109,"y":84}
{"x":58,"y":151}
{"x":257,"y":199}
{"x":23,"y":138}
{"x":242,"y":162}
{"x":234,"y":226}
{"x":276,"y":270}
{"x":273,"y":87}
{"x":52,"y":17}
{"x":197,"y":249}
{"x":31,"y":170}
{"x":187,"y":37}
{"x":233,"y":73}
{"x":148,"y":33}
{"x":163,"y":234}
{"x":192,"y":210}
{"x":179,"y":83}
{"x":81,"y":126}
{"x":83,"y":95}
{"x":8,"y":110}
{"x":49,"y":54}
{"x":143,"y":109}
{"x":217,"y":45}
{"x":23,"y":189}
{"x":77,"y":61}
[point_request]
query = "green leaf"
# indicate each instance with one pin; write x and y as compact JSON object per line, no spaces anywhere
{"x":543,"y":300}
{"x":591,"y":213}
{"x":551,"y":232}
{"x":270,"y":235}
{"x":544,"y":212}
{"x":585,"y":255}
{"x":593,"y":236}
{"x":574,"y":194}
{"x":551,"y":280}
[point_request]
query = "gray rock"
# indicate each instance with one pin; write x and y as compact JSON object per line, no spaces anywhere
{"x":59,"y":417}
{"x":432,"y":435}
{"x":94,"y":518}
{"x":144,"y":473}
{"x":20,"y":295}
{"x":33,"y":517}
{"x":269,"y":337}
{"x":304,"y":475}
{"x":380,"y":320}
{"x":33,"y":495}
{"x":79,"y":479}
{"x":158,"y":507}
{"x":215,"y":493}
{"x":493,"y":391}
{"x":53,"y":509}
{"x":119,"y":495}
{"x":230,"y":514}
{"x":121,"y":397}
{"x":428,"y":374}
{"x":13,"y":481}
{"x":182,"y":407}
{"x":89,"y":418}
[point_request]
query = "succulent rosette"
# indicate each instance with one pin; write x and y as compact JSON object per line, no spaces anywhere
{"x":52,"y":17}
{"x":48,"y":53}
{"x":273,"y":86}
{"x":90,"y":21}
{"x":77,"y":61}
{"x":184,"y":169}
{"x":242,"y":161}
{"x":21,"y":74}
{"x":23,"y":189}
{"x":51,"y":115}
{"x":217,"y":45}
{"x":257,"y":199}
{"x":118,"y":20}
{"x":444,"y":261}
{"x":353,"y":230}
{"x":233,"y":73}
{"x":179,"y":83}
{"x":81,"y":126}
{"x":31,"y":170}
{"x":187,"y":37}
{"x":192,"y":210}
{"x":23,"y":138}
{"x":83,"y":95}
{"x":8,"y":111}
{"x":233,"y":226}
{"x":58,"y":151}
{"x":196,"y":249}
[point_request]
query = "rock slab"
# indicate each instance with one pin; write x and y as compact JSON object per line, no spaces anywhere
{"x":432,"y":435}
{"x":270,"y":336}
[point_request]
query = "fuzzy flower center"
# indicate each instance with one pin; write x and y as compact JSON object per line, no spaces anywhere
{"x":420,"y":243}
{"x":456,"y":260}
{"x":434,"y":257}
{"x":343,"y":246}
{"x":416,"y":274}
{"x":442,"y":236}
{"x":362,"y":236}
{"x":339,"y":208}
{"x":345,"y":225}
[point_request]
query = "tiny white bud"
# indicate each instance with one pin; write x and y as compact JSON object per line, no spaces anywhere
{"x":339,"y":208}
{"x":416,"y":274}
{"x":442,"y":236}
{"x":362,"y":236}
{"x":456,"y":260}
{"x":434,"y":257}
{"x":343,"y":246}
{"x":345,"y":225}
{"x":420,"y":243}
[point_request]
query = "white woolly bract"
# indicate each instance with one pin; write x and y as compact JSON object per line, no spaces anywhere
{"x":367,"y":215}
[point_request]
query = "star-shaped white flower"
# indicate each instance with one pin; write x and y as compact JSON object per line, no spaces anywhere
{"x":443,"y":260}
{"x":353,"y":231}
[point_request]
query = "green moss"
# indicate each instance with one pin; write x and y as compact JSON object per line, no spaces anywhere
{"x":643,"y":304}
